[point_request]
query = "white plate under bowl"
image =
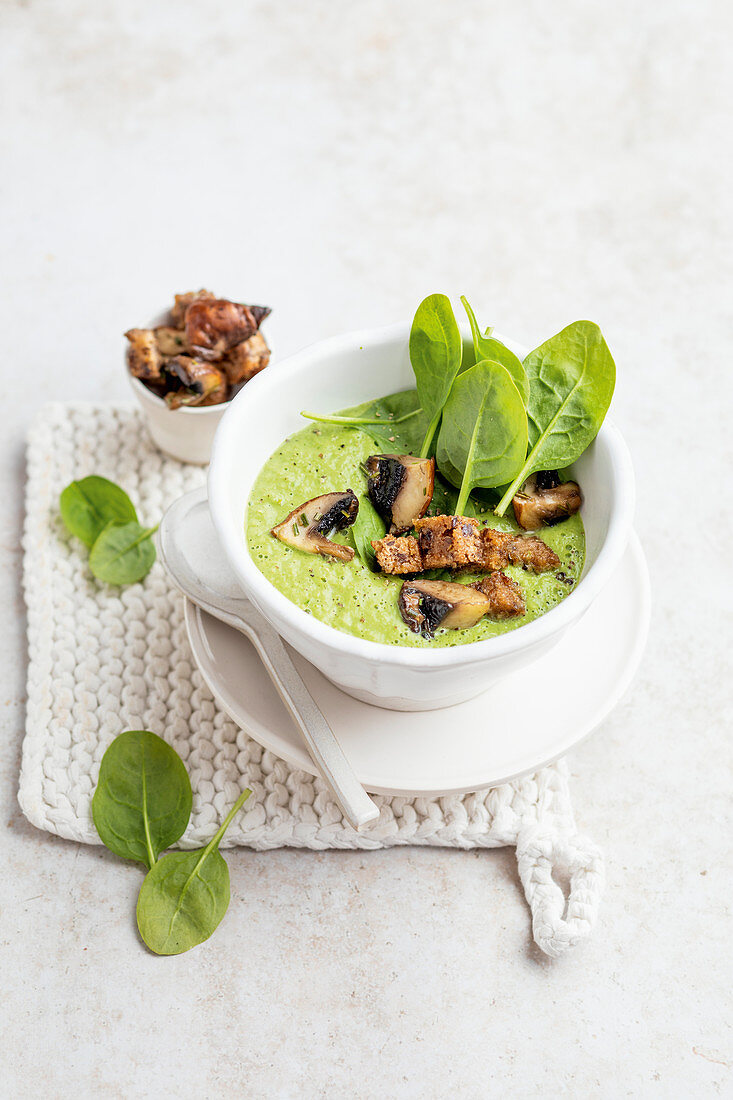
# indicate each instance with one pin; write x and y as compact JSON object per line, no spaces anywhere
{"x":526,"y":720}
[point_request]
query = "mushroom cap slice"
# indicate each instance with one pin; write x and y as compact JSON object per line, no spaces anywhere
{"x":544,"y":500}
{"x":427,"y":605}
{"x":215,"y":326}
{"x":204,"y":384}
{"x":400,"y":487}
{"x":308,"y":525}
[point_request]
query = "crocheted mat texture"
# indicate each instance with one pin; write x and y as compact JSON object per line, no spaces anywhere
{"x":104,"y":660}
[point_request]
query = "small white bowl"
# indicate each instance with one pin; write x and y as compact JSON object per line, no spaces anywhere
{"x":186,"y":433}
{"x":344,"y":371}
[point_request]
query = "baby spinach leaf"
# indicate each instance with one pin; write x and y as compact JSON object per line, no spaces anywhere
{"x":571,"y":379}
{"x":123,"y":553}
{"x":444,"y":497}
{"x":185,"y":895}
{"x":487,"y":346}
{"x":397,"y":420}
{"x":142,"y":801}
{"x":87,"y":506}
{"x":483,"y":435}
{"x":368,"y":525}
{"x":436,"y":347}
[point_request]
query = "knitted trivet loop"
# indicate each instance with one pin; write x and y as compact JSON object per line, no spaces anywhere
{"x":557,"y":923}
{"x":103,"y":660}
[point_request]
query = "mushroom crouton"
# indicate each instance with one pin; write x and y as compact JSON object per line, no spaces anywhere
{"x":398,"y":556}
{"x":143,"y":354}
{"x":504,"y":595}
{"x":449,"y":542}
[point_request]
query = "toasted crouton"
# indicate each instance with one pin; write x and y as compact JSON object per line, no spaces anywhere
{"x":143,"y":354}
{"x":398,"y":555}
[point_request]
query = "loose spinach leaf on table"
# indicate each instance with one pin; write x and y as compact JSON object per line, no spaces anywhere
{"x":368,"y":525}
{"x":123,"y":553}
{"x":143,"y":799}
{"x":487,"y":346}
{"x":87,"y":506}
{"x":436,"y":347}
{"x":571,"y":379}
{"x":185,"y":895}
{"x":483,"y":434}
{"x":397,"y":420}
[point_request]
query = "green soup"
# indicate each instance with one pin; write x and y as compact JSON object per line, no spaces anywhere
{"x":347,"y":595}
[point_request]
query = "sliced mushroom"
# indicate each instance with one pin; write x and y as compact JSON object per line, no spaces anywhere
{"x":427,"y":605}
{"x":143,"y":354}
{"x":308,"y":525}
{"x":170,"y":341}
{"x":544,"y":499}
{"x":400,"y":487}
{"x":215,"y":326}
{"x":203,"y":383}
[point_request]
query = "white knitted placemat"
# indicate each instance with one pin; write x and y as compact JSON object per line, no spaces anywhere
{"x":104,"y":660}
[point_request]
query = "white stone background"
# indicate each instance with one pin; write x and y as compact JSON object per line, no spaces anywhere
{"x":339,"y":161}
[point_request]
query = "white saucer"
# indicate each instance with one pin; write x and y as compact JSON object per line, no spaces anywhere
{"x":526,"y":721}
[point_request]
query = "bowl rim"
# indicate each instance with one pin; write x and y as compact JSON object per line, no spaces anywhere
{"x":266,"y":596}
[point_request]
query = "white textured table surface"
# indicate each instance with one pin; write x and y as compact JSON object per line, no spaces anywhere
{"x":339,"y":162}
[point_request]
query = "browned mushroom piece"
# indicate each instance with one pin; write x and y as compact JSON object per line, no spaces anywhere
{"x":183,"y":301}
{"x":427,"y":605}
{"x":400,"y":487}
{"x":170,"y":341}
{"x":545,"y":500}
{"x":308,"y":526}
{"x":246,"y":360}
{"x":214,"y":326}
{"x":143,"y":354}
{"x":200,"y":383}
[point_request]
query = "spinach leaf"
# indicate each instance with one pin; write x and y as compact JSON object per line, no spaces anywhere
{"x":488,"y":347}
{"x":185,"y":895}
{"x":396,"y":419}
{"x":87,"y":506}
{"x":483,"y":435}
{"x":142,"y":801}
{"x":571,"y":379}
{"x":368,"y":525}
{"x":444,"y":497}
{"x":436,"y":348}
{"x":123,"y":553}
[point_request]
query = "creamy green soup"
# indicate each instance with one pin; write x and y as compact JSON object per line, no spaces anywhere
{"x":347,"y":595}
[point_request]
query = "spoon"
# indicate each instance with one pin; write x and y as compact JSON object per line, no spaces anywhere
{"x":193,"y":559}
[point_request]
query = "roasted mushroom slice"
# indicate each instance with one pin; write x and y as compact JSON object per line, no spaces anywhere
{"x":544,"y":499}
{"x":170,"y":341}
{"x":400,"y":487}
{"x":308,"y":526}
{"x":246,"y":360}
{"x":143,"y":354}
{"x":213,"y":327}
{"x":427,"y":605}
{"x":201,"y":383}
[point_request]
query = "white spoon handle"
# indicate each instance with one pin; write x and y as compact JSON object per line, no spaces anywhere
{"x":190,"y":552}
{"x":325,"y":750}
